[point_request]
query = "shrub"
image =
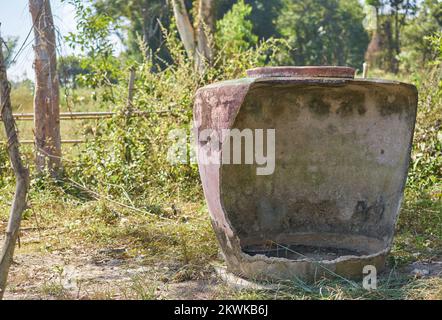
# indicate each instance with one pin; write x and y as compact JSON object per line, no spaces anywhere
{"x":128,"y":156}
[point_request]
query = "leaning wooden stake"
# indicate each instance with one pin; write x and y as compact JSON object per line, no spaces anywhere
{"x":21,"y":177}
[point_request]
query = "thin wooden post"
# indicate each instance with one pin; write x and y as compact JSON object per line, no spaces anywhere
{"x":21,"y":177}
{"x":130,"y":95}
{"x":365,"y":70}
{"x":128,"y":113}
{"x":46,"y":100}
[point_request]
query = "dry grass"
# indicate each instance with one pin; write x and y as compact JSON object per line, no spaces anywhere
{"x":177,"y":250}
{"x":78,"y":100}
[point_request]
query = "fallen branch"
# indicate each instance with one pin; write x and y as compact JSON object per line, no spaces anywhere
{"x":21,"y":177}
{"x":98,"y":196}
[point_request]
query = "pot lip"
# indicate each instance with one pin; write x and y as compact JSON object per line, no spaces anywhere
{"x":340,"y":72}
{"x":304,"y":80}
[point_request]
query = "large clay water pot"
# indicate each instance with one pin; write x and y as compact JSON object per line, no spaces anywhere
{"x":342,"y":150}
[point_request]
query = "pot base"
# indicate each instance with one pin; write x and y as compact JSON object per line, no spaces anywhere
{"x":240,"y":283}
{"x":308,"y":256}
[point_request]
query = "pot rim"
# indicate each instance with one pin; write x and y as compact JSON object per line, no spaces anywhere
{"x":303,"y":72}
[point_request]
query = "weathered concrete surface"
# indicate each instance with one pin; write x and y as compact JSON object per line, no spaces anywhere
{"x":317,"y":72}
{"x":342,"y":153}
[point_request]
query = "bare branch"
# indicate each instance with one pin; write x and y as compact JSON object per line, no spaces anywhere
{"x":21,"y":177}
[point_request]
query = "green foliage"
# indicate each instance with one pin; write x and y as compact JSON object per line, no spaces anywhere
{"x":421,"y":217}
{"x":426,"y":169}
{"x":127,"y":160}
{"x":94,"y":30}
{"x":93,"y":39}
{"x":386,"y":20}
{"x":427,"y":159}
{"x":142,"y":19}
{"x":22,"y":98}
{"x":238,"y":48}
{"x":69,"y":68}
{"x":234,"y":30}
{"x":418,"y":35}
{"x":8,"y":50}
{"x":323,"y":32}
{"x":264,"y":13}
{"x":5,"y":168}
{"x":154,"y":207}
{"x":139,"y":19}
{"x":436,"y":44}
{"x":128,"y":157}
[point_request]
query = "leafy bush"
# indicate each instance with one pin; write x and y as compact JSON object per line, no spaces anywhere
{"x":420,"y":222}
{"x":323,"y":32}
{"x":426,"y":169}
{"x":93,"y":40}
{"x":128,"y":157}
{"x":234,"y":31}
{"x":418,"y":48}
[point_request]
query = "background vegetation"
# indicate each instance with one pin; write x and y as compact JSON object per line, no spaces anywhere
{"x":118,"y":189}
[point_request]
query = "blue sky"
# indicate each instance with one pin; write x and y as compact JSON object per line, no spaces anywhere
{"x":16,"y":21}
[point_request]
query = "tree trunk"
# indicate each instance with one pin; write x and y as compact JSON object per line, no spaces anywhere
{"x":195,"y":40}
{"x":21,"y":177}
{"x":206,"y":26}
{"x":396,"y":46}
{"x":375,"y":46}
{"x":373,"y":50}
{"x":46,"y":100}
{"x":185,"y":28}
{"x":390,"y":46}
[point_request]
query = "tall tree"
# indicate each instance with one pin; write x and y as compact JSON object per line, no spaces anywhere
{"x":371,"y":24}
{"x":415,"y":42}
{"x":264,"y":15}
{"x":46,"y":100}
{"x":324,"y":32}
{"x":400,"y":11}
{"x":235,"y":30}
{"x":143,"y":18}
{"x":195,"y":36}
{"x":391,"y":16}
{"x":69,"y":68}
{"x":138,"y":18}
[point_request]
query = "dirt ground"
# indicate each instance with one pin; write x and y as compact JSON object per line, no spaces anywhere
{"x":74,"y":274}
{"x":58,"y":259}
{"x":107,"y":274}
